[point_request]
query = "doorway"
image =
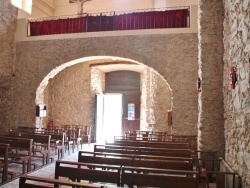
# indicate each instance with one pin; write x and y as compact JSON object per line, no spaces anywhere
{"x":108,"y":116}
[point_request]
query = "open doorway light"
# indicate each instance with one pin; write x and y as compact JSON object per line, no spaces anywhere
{"x":109,"y":116}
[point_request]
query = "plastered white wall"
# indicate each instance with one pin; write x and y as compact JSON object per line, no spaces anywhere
{"x":47,"y":8}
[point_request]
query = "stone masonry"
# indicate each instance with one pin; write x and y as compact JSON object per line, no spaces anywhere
{"x":169,"y":55}
{"x":237,"y":101}
{"x":156,"y":100}
{"x":8,"y":15}
{"x":210,"y":119}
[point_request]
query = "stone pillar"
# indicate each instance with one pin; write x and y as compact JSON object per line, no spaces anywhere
{"x":210,"y":100}
{"x":8,"y":16}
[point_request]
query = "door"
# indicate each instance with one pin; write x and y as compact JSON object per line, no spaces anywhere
{"x":131,"y":112}
{"x":108,"y":116}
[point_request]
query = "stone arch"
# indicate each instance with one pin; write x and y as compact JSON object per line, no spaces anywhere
{"x":90,"y":59}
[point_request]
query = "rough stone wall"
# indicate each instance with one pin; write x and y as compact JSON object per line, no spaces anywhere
{"x":150,"y":99}
{"x":97,"y":81}
{"x":163,"y":103}
{"x":8,"y":15}
{"x":143,"y":115}
{"x":211,"y":120}
{"x":155,"y":101}
{"x":170,"y":55}
{"x":77,"y":85}
{"x":70,"y":98}
{"x":237,"y":101}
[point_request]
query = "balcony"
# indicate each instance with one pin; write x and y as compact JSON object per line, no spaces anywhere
{"x":153,"y":21}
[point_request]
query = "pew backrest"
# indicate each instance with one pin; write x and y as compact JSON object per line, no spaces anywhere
{"x":37,"y":138}
{"x":152,"y":177}
{"x":176,"y":145}
{"x":39,"y":141}
{"x":106,"y":160}
{"x":143,"y":150}
{"x":88,"y":171}
{"x":141,"y":157}
{"x":19,"y":144}
{"x":149,"y":163}
{"x":39,"y":182}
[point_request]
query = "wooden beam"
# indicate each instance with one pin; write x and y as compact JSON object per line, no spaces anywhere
{"x":113,"y":63}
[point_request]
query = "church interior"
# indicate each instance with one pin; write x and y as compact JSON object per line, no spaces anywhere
{"x":169,"y":72}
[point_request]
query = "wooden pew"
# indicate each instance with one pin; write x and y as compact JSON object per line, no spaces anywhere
{"x":106,"y":160}
{"x":163,"y":164}
{"x":4,"y":149}
{"x":56,"y":141}
{"x":69,"y":139}
{"x":165,"y":144}
{"x":76,"y":171}
{"x":149,"y":163}
{"x":154,"y":139}
{"x":143,"y":150}
{"x":19,"y":144}
{"x":146,"y":135}
{"x":147,"y":148}
{"x":27,"y":129}
{"x":154,"y":136}
{"x":83,"y":133}
{"x":217,"y":173}
{"x":191,"y":139}
{"x":41,"y":144}
{"x":133,"y":156}
{"x":27,"y":181}
{"x":154,"y":177}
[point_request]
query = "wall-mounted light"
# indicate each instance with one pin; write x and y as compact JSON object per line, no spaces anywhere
{"x":233,"y":77}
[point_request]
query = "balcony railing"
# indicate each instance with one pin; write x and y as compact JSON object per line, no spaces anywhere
{"x":111,"y":21}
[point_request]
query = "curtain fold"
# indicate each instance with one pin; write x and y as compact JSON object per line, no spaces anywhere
{"x":93,"y":23}
{"x":36,"y":28}
{"x":107,"y":23}
{"x":132,"y":21}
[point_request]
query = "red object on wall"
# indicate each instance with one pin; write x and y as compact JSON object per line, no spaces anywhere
{"x":233,"y":77}
{"x":169,"y":118}
{"x":50,"y":124}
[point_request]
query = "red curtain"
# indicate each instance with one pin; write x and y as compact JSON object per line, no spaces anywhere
{"x":93,"y":23}
{"x":36,"y":28}
{"x":50,"y":27}
{"x":137,"y":21}
{"x":149,"y":20}
{"x":118,"y":22}
{"x":142,"y":20}
{"x":107,"y":23}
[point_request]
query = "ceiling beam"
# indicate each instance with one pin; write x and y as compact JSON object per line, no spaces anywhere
{"x":113,"y":63}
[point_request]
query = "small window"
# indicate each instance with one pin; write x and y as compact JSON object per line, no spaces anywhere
{"x":25,"y":5}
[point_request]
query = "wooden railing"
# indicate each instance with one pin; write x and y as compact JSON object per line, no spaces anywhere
{"x":111,"y":21}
